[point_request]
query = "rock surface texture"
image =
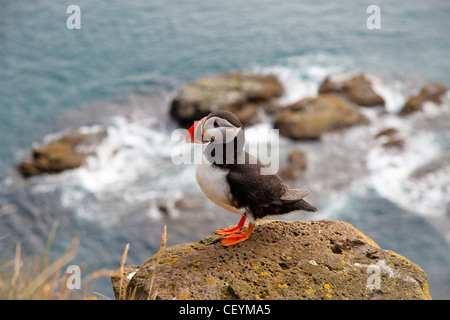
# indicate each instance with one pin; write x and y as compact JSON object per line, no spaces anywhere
{"x":323,"y":259}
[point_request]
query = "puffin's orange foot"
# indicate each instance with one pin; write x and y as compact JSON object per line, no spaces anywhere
{"x":232,"y":229}
{"x":234,"y":238}
{"x":229,"y":230}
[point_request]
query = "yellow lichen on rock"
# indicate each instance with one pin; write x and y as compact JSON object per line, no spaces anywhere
{"x":322,"y":259}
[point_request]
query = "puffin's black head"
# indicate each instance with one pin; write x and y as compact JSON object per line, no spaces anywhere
{"x":219,"y":127}
{"x":225,"y":118}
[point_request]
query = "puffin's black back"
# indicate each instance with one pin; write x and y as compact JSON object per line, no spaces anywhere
{"x":260,"y":194}
{"x":227,"y":115}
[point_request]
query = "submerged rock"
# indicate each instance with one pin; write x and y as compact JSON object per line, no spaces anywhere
{"x":281,"y":260}
{"x":238,"y":92}
{"x":67,"y":151}
{"x":297,"y":164}
{"x":310,"y":117}
{"x":357,"y":89}
{"x":390,"y":138}
{"x":430,"y":92}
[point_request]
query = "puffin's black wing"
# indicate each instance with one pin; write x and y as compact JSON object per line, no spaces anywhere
{"x":250,"y":188}
{"x":263,"y":195}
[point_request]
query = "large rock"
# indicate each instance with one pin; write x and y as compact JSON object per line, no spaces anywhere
{"x":310,"y":117}
{"x":281,"y":260}
{"x":67,"y":151}
{"x":238,"y":92}
{"x":430,"y":92}
{"x":357,"y":89}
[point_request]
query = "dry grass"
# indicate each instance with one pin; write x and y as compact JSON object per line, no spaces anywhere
{"x":122,"y":291}
{"x":36,"y":278}
{"x":122,"y":264}
{"x":158,"y":257}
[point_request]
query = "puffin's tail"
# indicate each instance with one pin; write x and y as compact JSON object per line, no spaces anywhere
{"x":303,"y":205}
{"x":294,"y":199}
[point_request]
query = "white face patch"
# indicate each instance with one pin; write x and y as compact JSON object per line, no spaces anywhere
{"x":219,"y":130}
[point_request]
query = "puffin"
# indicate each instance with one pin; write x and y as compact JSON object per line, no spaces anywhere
{"x":235,"y":180}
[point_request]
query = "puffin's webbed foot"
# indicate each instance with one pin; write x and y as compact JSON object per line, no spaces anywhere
{"x":234,"y":238}
{"x":232,"y":229}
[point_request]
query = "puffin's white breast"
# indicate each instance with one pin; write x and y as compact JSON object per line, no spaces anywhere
{"x":214,"y":184}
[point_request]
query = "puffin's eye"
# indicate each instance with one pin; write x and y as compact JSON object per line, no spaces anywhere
{"x":216,"y":124}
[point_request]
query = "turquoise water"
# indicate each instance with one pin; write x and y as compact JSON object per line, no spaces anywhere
{"x":48,"y":74}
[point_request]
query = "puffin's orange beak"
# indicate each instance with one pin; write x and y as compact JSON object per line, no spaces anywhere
{"x":195,"y":133}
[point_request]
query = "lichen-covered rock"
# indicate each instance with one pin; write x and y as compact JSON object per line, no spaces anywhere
{"x":282,"y":260}
{"x":357,"y":89}
{"x":310,"y":117}
{"x":122,"y":276}
{"x":239,"y":92}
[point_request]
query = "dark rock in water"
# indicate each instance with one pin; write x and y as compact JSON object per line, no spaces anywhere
{"x":430,"y":92}
{"x":65,"y":152}
{"x":310,"y":117}
{"x":189,"y":202}
{"x":52,"y":158}
{"x":296,"y":166}
{"x":357,"y":89}
{"x":238,"y":92}
{"x":431,"y":167}
{"x":386,"y":132}
{"x":394,"y":143}
{"x":281,"y":260}
{"x":390,"y":138}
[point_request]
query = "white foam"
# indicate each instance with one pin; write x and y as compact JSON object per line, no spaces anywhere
{"x":295,"y":86}
{"x":301,"y":76}
{"x":391,"y":93}
{"x":390,"y":174}
{"x":131,"y":166}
